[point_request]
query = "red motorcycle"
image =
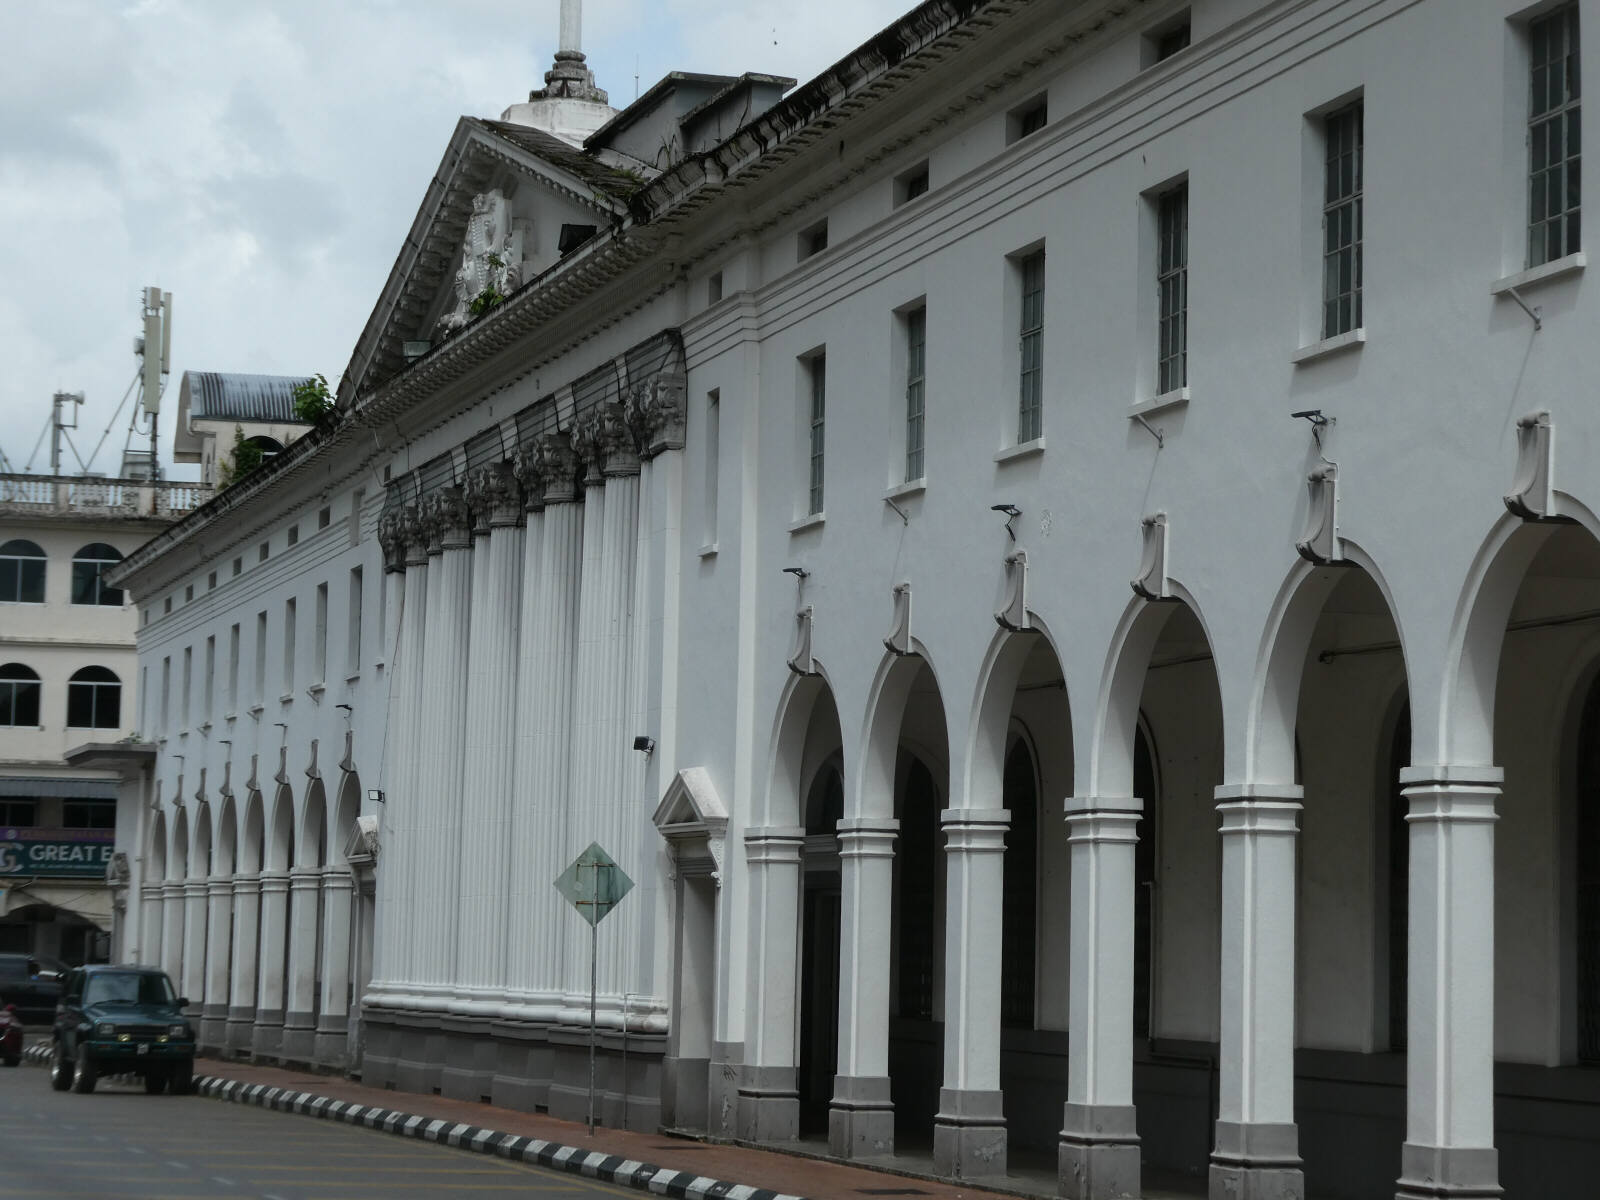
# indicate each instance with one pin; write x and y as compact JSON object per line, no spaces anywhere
{"x":10,"y":1036}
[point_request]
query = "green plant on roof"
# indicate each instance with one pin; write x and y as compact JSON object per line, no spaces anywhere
{"x":246,"y":457}
{"x":313,"y":402}
{"x":486,"y":301}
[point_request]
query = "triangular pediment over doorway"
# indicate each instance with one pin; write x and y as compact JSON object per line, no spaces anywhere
{"x":691,"y":806}
{"x":506,"y":203}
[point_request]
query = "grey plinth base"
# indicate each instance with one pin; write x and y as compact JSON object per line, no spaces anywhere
{"x":266,"y":1040}
{"x":860,"y":1117}
{"x":1098,"y":1157}
{"x":969,"y":1134}
{"x":240,"y":1033}
{"x":299,"y":1038}
{"x":1438,"y":1172}
{"x":722,"y":1101}
{"x":769,"y":1104}
{"x":332,"y":1046}
{"x":1256,"y":1162}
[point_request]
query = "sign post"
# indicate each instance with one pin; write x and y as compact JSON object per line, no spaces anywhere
{"x":593,"y":884}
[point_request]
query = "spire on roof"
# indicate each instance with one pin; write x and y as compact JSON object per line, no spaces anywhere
{"x":569,"y":105}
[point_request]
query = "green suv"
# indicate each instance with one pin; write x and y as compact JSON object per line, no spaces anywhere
{"x":121,"y":1020}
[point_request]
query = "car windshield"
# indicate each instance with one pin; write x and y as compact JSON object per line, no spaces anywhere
{"x":127,"y":988}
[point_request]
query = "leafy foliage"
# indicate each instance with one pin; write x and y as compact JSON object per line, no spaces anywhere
{"x":246,"y":457}
{"x":486,"y":301}
{"x":313,"y":402}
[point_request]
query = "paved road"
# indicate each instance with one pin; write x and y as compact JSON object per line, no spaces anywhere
{"x":119,"y":1143}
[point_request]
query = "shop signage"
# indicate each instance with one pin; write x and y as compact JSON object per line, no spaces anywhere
{"x":55,"y":853}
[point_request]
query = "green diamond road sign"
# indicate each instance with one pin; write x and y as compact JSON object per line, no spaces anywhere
{"x":593,"y":884}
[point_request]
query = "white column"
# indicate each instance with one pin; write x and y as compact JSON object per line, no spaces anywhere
{"x":334,"y":1010}
{"x":219,"y":932}
{"x":150,"y":910}
{"x":442,"y":718}
{"x":1449,"y":1147}
{"x":268,"y":1036}
{"x":242,"y":994}
{"x":625,"y":807}
{"x":1099,"y":1150}
{"x":969,"y":1132}
{"x":861,"y":1115}
{"x":489,"y":783}
{"x":1257,"y":1146}
{"x":172,"y":915}
{"x":193,"y":986}
{"x":769,"y":1099}
{"x":300,"y":1020}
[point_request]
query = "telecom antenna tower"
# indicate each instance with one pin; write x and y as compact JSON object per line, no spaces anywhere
{"x":155,"y":348}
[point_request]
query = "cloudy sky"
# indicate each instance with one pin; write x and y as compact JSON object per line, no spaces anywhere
{"x":263,"y":159}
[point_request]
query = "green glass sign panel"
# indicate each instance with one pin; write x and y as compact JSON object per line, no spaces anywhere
{"x":593,"y":884}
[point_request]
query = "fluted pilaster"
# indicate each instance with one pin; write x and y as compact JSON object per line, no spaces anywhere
{"x":172,"y":920}
{"x":299,"y":1023}
{"x":193,"y":983}
{"x":219,"y":931}
{"x":242,"y":984}
{"x":268,"y":1036}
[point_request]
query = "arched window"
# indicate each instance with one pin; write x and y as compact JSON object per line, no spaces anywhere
{"x":1020,"y":908}
{"x":270,"y":447}
{"x":21,"y":573}
{"x":19,"y":695}
{"x":87,"y":565}
{"x":94,"y":699}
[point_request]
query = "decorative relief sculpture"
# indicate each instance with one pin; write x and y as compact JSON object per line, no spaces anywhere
{"x":1320,"y":541}
{"x":558,"y":467}
{"x":1533,"y":489}
{"x":587,"y":445}
{"x":1151,"y":581}
{"x":899,"y":639}
{"x":800,"y":660}
{"x":493,"y":256}
{"x":415,"y":530}
{"x":618,"y":448}
{"x":657,"y":410}
{"x":1013,"y":611}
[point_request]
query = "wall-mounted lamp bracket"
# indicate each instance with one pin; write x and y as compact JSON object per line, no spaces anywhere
{"x":1161,"y":440}
{"x":1535,"y":312}
{"x":1012,"y":512}
{"x":900,"y":512}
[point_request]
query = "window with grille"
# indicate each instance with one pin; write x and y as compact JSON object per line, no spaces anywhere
{"x":19,"y":695}
{"x":87,"y":566}
{"x":916,"y":358}
{"x":1172,"y":290}
{"x":21,"y":572}
{"x":1341,"y":222}
{"x":1030,"y":404}
{"x":1554,"y":138}
{"x":817,"y":369}
{"x":94,"y":699}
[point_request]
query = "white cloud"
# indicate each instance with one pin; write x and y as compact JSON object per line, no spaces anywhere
{"x":263,"y":161}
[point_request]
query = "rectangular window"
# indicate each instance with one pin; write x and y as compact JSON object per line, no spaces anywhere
{"x":294,"y":535}
{"x":211,"y":675}
{"x":19,"y":813}
{"x":324,"y":517}
{"x":1027,"y":118}
{"x":817,"y":369}
{"x":352,"y":662}
{"x":713,"y":462}
{"x":144,"y":701}
{"x":1030,"y":403}
{"x":1172,"y":290}
{"x":916,"y":357}
{"x":912,"y":184}
{"x":260,"y":680}
{"x":1165,"y":40}
{"x":319,"y":644}
{"x":188,"y":594}
{"x":1341,"y":222}
{"x":288,"y":646}
{"x":357,"y":499}
{"x":813,"y":240}
{"x":233,"y":669}
{"x":211,"y":582}
{"x":188,"y":675}
{"x":166,"y":691}
{"x":1554,"y":138}
{"x":238,"y":566}
{"x":714,"y":288}
{"x":89,"y":814}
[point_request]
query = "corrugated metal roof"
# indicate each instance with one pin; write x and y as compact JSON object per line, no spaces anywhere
{"x":55,"y":785}
{"x":230,"y":396}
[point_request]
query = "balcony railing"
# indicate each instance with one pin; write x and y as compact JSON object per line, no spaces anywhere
{"x":62,"y":495}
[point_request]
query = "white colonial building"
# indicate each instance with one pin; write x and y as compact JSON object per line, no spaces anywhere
{"x":752,"y":483}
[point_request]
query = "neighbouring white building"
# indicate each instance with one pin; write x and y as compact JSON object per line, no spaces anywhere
{"x":751,"y":483}
{"x":218,"y":410}
{"x":67,"y":666}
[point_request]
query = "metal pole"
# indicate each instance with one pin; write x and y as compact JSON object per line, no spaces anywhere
{"x":594,"y":938}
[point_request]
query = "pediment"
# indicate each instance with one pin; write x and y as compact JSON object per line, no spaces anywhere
{"x":691,"y":805}
{"x":492,"y":220}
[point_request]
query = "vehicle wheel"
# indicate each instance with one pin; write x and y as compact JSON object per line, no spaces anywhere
{"x":60,"y":1069}
{"x":83,"y":1073}
{"x":155,"y":1082}
{"x":180,"y":1077}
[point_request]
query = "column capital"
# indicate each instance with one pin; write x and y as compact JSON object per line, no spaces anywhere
{"x":1275,"y":817}
{"x":1452,"y":775}
{"x":1103,"y":804}
{"x":447,"y":520}
{"x":774,"y":844}
{"x":1288,"y":793}
{"x":494,"y":495}
{"x":244,"y":885}
{"x":392,"y":537}
{"x":548,"y":468}
{"x":1451,"y":794}
{"x":338,"y":878}
{"x":219,"y":886}
{"x":414,"y":534}
{"x":274,"y":881}
{"x":1103,"y":826}
{"x":867,"y":837}
{"x":194,"y":888}
{"x":975,"y":830}
{"x":305,"y":878}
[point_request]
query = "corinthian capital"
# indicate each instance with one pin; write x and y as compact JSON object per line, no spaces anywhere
{"x":556,"y":463}
{"x":414,"y":532}
{"x":392,"y":537}
{"x":657,"y":411}
{"x":447,"y":519}
{"x":494,"y":496}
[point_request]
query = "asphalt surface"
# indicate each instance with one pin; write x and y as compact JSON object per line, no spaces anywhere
{"x":120,"y":1143}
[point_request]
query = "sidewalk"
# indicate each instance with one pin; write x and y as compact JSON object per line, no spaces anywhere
{"x":717,"y":1169}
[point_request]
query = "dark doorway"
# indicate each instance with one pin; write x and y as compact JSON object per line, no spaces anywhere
{"x":819,"y":950}
{"x":1144,"y":883}
{"x":1399,"y":879}
{"x":1588,"y":881}
{"x":1020,"y":913}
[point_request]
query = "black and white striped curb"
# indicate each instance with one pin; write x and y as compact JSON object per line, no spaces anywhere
{"x":595,"y":1164}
